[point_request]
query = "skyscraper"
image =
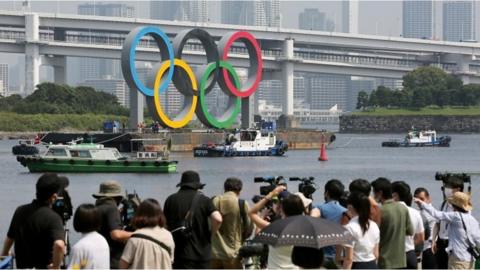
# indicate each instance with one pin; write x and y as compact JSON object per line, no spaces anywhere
{"x":350,"y":16}
{"x":193,"y":11}
{"x":459,"y":20}
{"x":327,"y":90}
{"x":3,"y":79}
{"x":94,"y":68}
{"x":418,"y":19}
{"x":116,"y":87}
{"x":312,"y":19}
{"x":256,"y":12}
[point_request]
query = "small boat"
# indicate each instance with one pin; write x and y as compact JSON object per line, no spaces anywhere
{"x":95,"y":158}
{"x":420,"y":139}
{"x":244,"y":143}
{"x":25,"y":147}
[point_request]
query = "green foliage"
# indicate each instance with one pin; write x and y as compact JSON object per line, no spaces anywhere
{"x":14,"y":122}
{"x":430,"y":110}
{"x":62,"y":99}
{"x":362,"y":100}
{"x":425,"y":86}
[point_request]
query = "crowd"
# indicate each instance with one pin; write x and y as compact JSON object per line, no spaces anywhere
{"x":193,"y":230}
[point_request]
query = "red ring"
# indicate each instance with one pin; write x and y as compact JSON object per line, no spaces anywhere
{"x":228,"y":82}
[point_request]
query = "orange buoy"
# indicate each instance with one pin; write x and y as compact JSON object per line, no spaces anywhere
{"x":323,"y":153}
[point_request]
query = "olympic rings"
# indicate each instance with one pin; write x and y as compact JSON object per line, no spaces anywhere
{"x":193,"y":83}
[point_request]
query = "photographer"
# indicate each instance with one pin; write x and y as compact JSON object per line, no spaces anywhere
{"x":463,"y":232}
{"x":287,"y":205}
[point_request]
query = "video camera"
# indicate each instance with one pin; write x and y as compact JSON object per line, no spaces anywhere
{"x":129,"y":206}
{"x":445,"y":177}
{"x":272,"y":181}
{"x":307,"y":185}
{"x":63,"y":205}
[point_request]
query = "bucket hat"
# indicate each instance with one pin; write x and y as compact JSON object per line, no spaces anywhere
{"x":190,"y":179}
{"x":109,"y":188}
{"x":461,"y":200}
{"x":306,"y":201}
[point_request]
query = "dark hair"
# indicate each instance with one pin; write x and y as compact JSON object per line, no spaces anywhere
{"x":47,"y":185}
{"x":361,"y":204}
{"x":86,"y":218}
{"x":335,"y":189}
{"x":360,"y":185}
{"x":403,"y":191}
{"x":455,"y":182}
{"x":420,"y":190}
{"x":149,"y":214}
{"x":383,"y":184}
{"x":307,"y":257}
{"x":233,"y":184}
{"x":292,"y":205}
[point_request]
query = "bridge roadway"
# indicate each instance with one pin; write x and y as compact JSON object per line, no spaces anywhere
{"x":56,"y":36}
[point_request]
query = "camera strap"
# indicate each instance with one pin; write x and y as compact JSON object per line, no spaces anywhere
{"x":470,"y":246}
{"x":162,"y":245}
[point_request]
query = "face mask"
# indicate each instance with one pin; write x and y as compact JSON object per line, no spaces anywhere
{"x":448,"y":192}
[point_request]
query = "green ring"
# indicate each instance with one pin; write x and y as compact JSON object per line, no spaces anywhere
{"x":230,"y":115}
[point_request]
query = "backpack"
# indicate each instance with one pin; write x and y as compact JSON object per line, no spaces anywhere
{"x":184,"y":231}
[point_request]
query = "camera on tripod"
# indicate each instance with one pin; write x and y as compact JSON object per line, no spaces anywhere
{"x":272,"y":181}
{"x":446,"y":177}
{"x":307,"y":185}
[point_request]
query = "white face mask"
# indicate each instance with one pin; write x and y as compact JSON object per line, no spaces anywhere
{"x":448,"y":192}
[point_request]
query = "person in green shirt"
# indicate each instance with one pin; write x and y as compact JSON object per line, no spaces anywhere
{"x":394,"y":227}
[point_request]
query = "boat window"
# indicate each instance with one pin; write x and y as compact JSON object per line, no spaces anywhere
{"x":57,"y":152}
{"x":81,"y":153}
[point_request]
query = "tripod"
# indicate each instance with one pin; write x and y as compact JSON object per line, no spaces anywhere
{"x":67,"y":245}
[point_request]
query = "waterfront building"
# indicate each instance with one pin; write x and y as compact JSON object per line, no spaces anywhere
{"x":116,"y":87}
{"x":459,"y":20}
{"x":4,"y":79}
{"x":418,"y":19}
{"x":312,"y":19}
{"x":350,"y":10}
{"x":193,"y":11}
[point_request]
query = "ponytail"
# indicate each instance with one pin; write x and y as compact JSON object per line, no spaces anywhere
{"x":361,"y":204}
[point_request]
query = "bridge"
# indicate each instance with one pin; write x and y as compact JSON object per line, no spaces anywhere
{"x":47,"y":39}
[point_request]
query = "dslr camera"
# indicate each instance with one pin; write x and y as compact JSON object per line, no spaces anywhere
{"x":445,"y":177}
{"x":272,"y":182}
{"x":306,"y":186}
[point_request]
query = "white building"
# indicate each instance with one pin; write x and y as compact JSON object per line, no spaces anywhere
{"x":350,"y":16}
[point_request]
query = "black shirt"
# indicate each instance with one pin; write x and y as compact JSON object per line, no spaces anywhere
{"x":111,"y":220}
{"x":34,"y":229}
{"x":198,"y":247}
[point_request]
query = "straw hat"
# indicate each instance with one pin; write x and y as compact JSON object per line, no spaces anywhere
{"x":109,"y":189}
{"x":306,"y":201}
{"x":461,"y":200}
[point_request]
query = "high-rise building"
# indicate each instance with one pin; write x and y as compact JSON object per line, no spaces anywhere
{"x":418,"y":19}
{"x":193,"y":11}
{"x":459,"y":20}
{"x":356,"y":85}
{"x":4,"y":79}
{"x":350,"y":16}
{"x":94,"y":68}
{"x":256,"y":12}
{"x":327,"y":90}
{"x":312,"y":19}
{"x":116,"y":87}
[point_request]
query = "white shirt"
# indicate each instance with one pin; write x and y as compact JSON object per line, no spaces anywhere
{"x":280,"y":258}
{"x":363,"y":244}
{"x":443,"y":231}
{"x":90,"y":252}
{"x":431,"y":221}
{"x":417,"y":224}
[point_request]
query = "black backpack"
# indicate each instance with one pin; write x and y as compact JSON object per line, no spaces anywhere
{"x":184,"y":230}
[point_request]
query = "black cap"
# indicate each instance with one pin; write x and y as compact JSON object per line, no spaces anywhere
{"x":190,"y":179}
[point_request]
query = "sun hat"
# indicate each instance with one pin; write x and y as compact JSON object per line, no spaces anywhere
{"x":306,"y":201}
{"x":190,"y":179}
{"x":461,"y":200}
{"x":109,"y":188}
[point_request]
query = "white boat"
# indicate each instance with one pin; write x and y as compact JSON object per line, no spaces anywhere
{"x":420,"y":139}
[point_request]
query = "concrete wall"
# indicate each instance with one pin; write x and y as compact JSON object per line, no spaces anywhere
{"x":401,"y":124}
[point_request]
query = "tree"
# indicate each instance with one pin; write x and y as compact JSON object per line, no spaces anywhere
{"x":383,"y":96}
{"x":362,"y":100}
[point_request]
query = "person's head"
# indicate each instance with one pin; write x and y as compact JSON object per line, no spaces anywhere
{"x":460,"y":202}
{"x":334,"y":190}
{"x":360,"y":185}
{"x":47,"y":188}
{"x":292,"y":205}
{"x":149,"y":214}
{"x":307,"y":258}
{"x":110,"y":189}
{"x":359,"y":204}
{"x":190,"y":180}
{"x":422,"y":194}
{"x":401,"y":192}
{"x":307,"y":203}
{"x":382,"y":189}
{"x":233,"y":184}
{"x":455,"y":184}
{"x":86,"y":219}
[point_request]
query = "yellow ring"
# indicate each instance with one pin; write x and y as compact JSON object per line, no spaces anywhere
{"x":188,"y":115}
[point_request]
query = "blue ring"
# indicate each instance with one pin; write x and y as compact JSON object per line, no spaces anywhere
{"x":154,"y":31}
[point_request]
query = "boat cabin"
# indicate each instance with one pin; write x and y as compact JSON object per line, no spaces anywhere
{"x":421,"y":136}
{"x":251,"y":140}
{"x":82,"y":151}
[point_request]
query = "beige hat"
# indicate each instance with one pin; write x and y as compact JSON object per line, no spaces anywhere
{"x":306,"y":201}
{"x":461,"y":200}
{"x":109,"y":188}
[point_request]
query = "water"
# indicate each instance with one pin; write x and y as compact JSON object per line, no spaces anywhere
{"x":351,"y":156}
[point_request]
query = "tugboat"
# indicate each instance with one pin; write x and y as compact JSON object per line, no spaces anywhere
{"x":25,"y":147}
{"x":95,"y":158}
{"x":244,"y":143}
{"x":420,"y":139}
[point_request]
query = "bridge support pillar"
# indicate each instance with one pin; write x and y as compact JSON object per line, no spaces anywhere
{"x":287,"y":77}
{"x":136,"y":109}
{"x":32,"y":55}
{"x":247,"y":111}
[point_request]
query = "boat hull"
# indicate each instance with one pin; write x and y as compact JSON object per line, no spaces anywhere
{"x":38,"y":164}
{"x":442,"y":142}
{"x":203,"y":151}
